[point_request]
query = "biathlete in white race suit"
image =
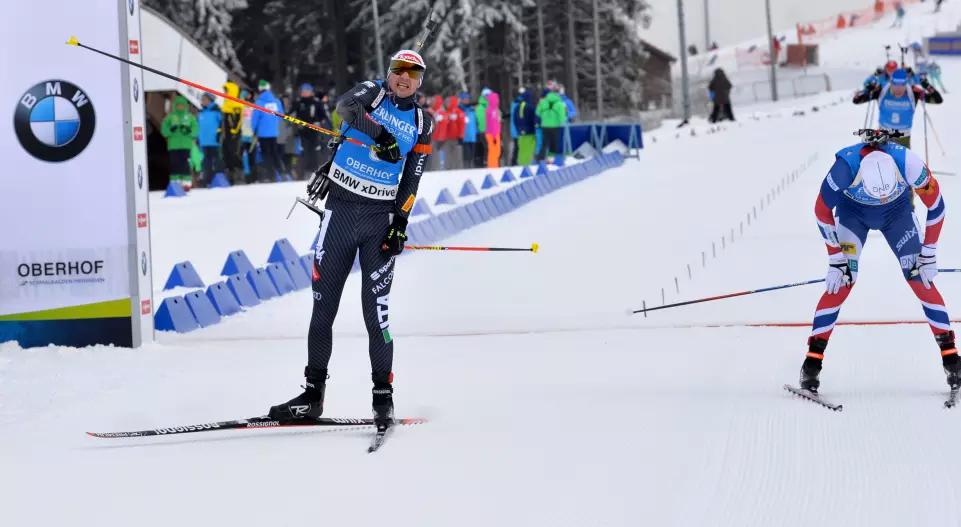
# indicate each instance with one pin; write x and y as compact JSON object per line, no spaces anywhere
{"x":365,"y":215}
{"x":868,"y":190}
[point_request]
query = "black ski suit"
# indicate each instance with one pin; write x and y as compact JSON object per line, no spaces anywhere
{"x":357,"y":224}
{"x":311,"y":110}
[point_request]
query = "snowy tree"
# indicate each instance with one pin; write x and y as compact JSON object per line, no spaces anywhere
{"x":622,"y":53}
{"x":209,"y":22}
{"x":622,"y":56}
{"x":477,"y":43}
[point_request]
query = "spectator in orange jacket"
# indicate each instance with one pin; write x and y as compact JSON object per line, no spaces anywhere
{"x":454,"y":118}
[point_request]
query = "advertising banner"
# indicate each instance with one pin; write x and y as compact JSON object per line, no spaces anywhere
{"x":944,"y":45}
{"x":74,"y":242}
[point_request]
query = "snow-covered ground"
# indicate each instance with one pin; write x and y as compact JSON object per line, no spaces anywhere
{"x":547,"y":404}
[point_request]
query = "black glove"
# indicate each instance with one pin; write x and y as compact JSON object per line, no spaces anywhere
{"x":925,"y":84}
{"x":393,"y":244}
{"x":185,"y":129}
{"x":319,"y":183}
{"x":387,"y":148}
{"x":174,"y":128}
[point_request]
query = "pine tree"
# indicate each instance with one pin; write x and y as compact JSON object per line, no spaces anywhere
{"x":209,"y":22}
{"x":621,"y":52}
{"x":214,"y":19}
{"x":622,"y":56}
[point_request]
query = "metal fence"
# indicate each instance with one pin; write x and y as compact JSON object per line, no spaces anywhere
{"x":753,"y":92}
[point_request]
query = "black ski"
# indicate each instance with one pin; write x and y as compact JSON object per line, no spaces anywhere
{"x":329,"y":423}
{"x":952,"y":399}
{"x":813,"y":397}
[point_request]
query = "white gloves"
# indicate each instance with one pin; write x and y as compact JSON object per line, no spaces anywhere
{"x":927,"y":266}
{"x":838,"y":274}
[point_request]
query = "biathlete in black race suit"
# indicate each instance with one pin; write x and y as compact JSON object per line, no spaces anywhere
{"x":366,"y":211}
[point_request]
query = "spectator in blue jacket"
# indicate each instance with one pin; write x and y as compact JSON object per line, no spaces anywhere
{"x":209,"y":120}
{"x":514,"y":105}
{"x":266,"y":128}
{"x":571,"y":110}
{"x":469,"y":143}
{"x":524,"y":122}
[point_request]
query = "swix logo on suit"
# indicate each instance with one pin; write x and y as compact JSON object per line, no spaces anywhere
{"x":358,"y":170}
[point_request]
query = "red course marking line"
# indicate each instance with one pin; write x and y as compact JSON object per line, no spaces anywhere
{"x":852,"y":323}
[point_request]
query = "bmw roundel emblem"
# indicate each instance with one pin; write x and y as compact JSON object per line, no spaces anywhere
{"x":130,"y":4}
{"x":143,"y":262}
{"x":54,"y":121}
{"x":140,"y":177}
{"x":136,"y":90}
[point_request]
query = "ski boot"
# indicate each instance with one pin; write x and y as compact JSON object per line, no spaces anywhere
{"x":811,"y":368}
{"x":383,"y":401}
{"x":949,"y":359}
{"x":308,"y":405}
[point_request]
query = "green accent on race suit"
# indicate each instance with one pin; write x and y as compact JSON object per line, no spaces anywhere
{"x":387,"y":337}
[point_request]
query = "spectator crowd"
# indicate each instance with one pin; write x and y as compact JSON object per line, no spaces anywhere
{"x":250,"y":146}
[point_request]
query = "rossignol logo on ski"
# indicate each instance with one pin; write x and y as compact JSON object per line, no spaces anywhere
{"x":189,"y":428}
{"x":263,"y":424}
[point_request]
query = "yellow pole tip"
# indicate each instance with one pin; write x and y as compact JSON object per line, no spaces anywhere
{"x":535,"y":247}
{"x":73,"y":41}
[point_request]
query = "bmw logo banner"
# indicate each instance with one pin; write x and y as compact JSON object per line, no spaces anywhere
{"x":54,"y":120}
{"x":76,"y":268}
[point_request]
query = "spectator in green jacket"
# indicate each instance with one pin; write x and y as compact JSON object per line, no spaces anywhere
{"x":480,"y":113}
{"x":181,"y":129}
{"x":552,"y":111}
